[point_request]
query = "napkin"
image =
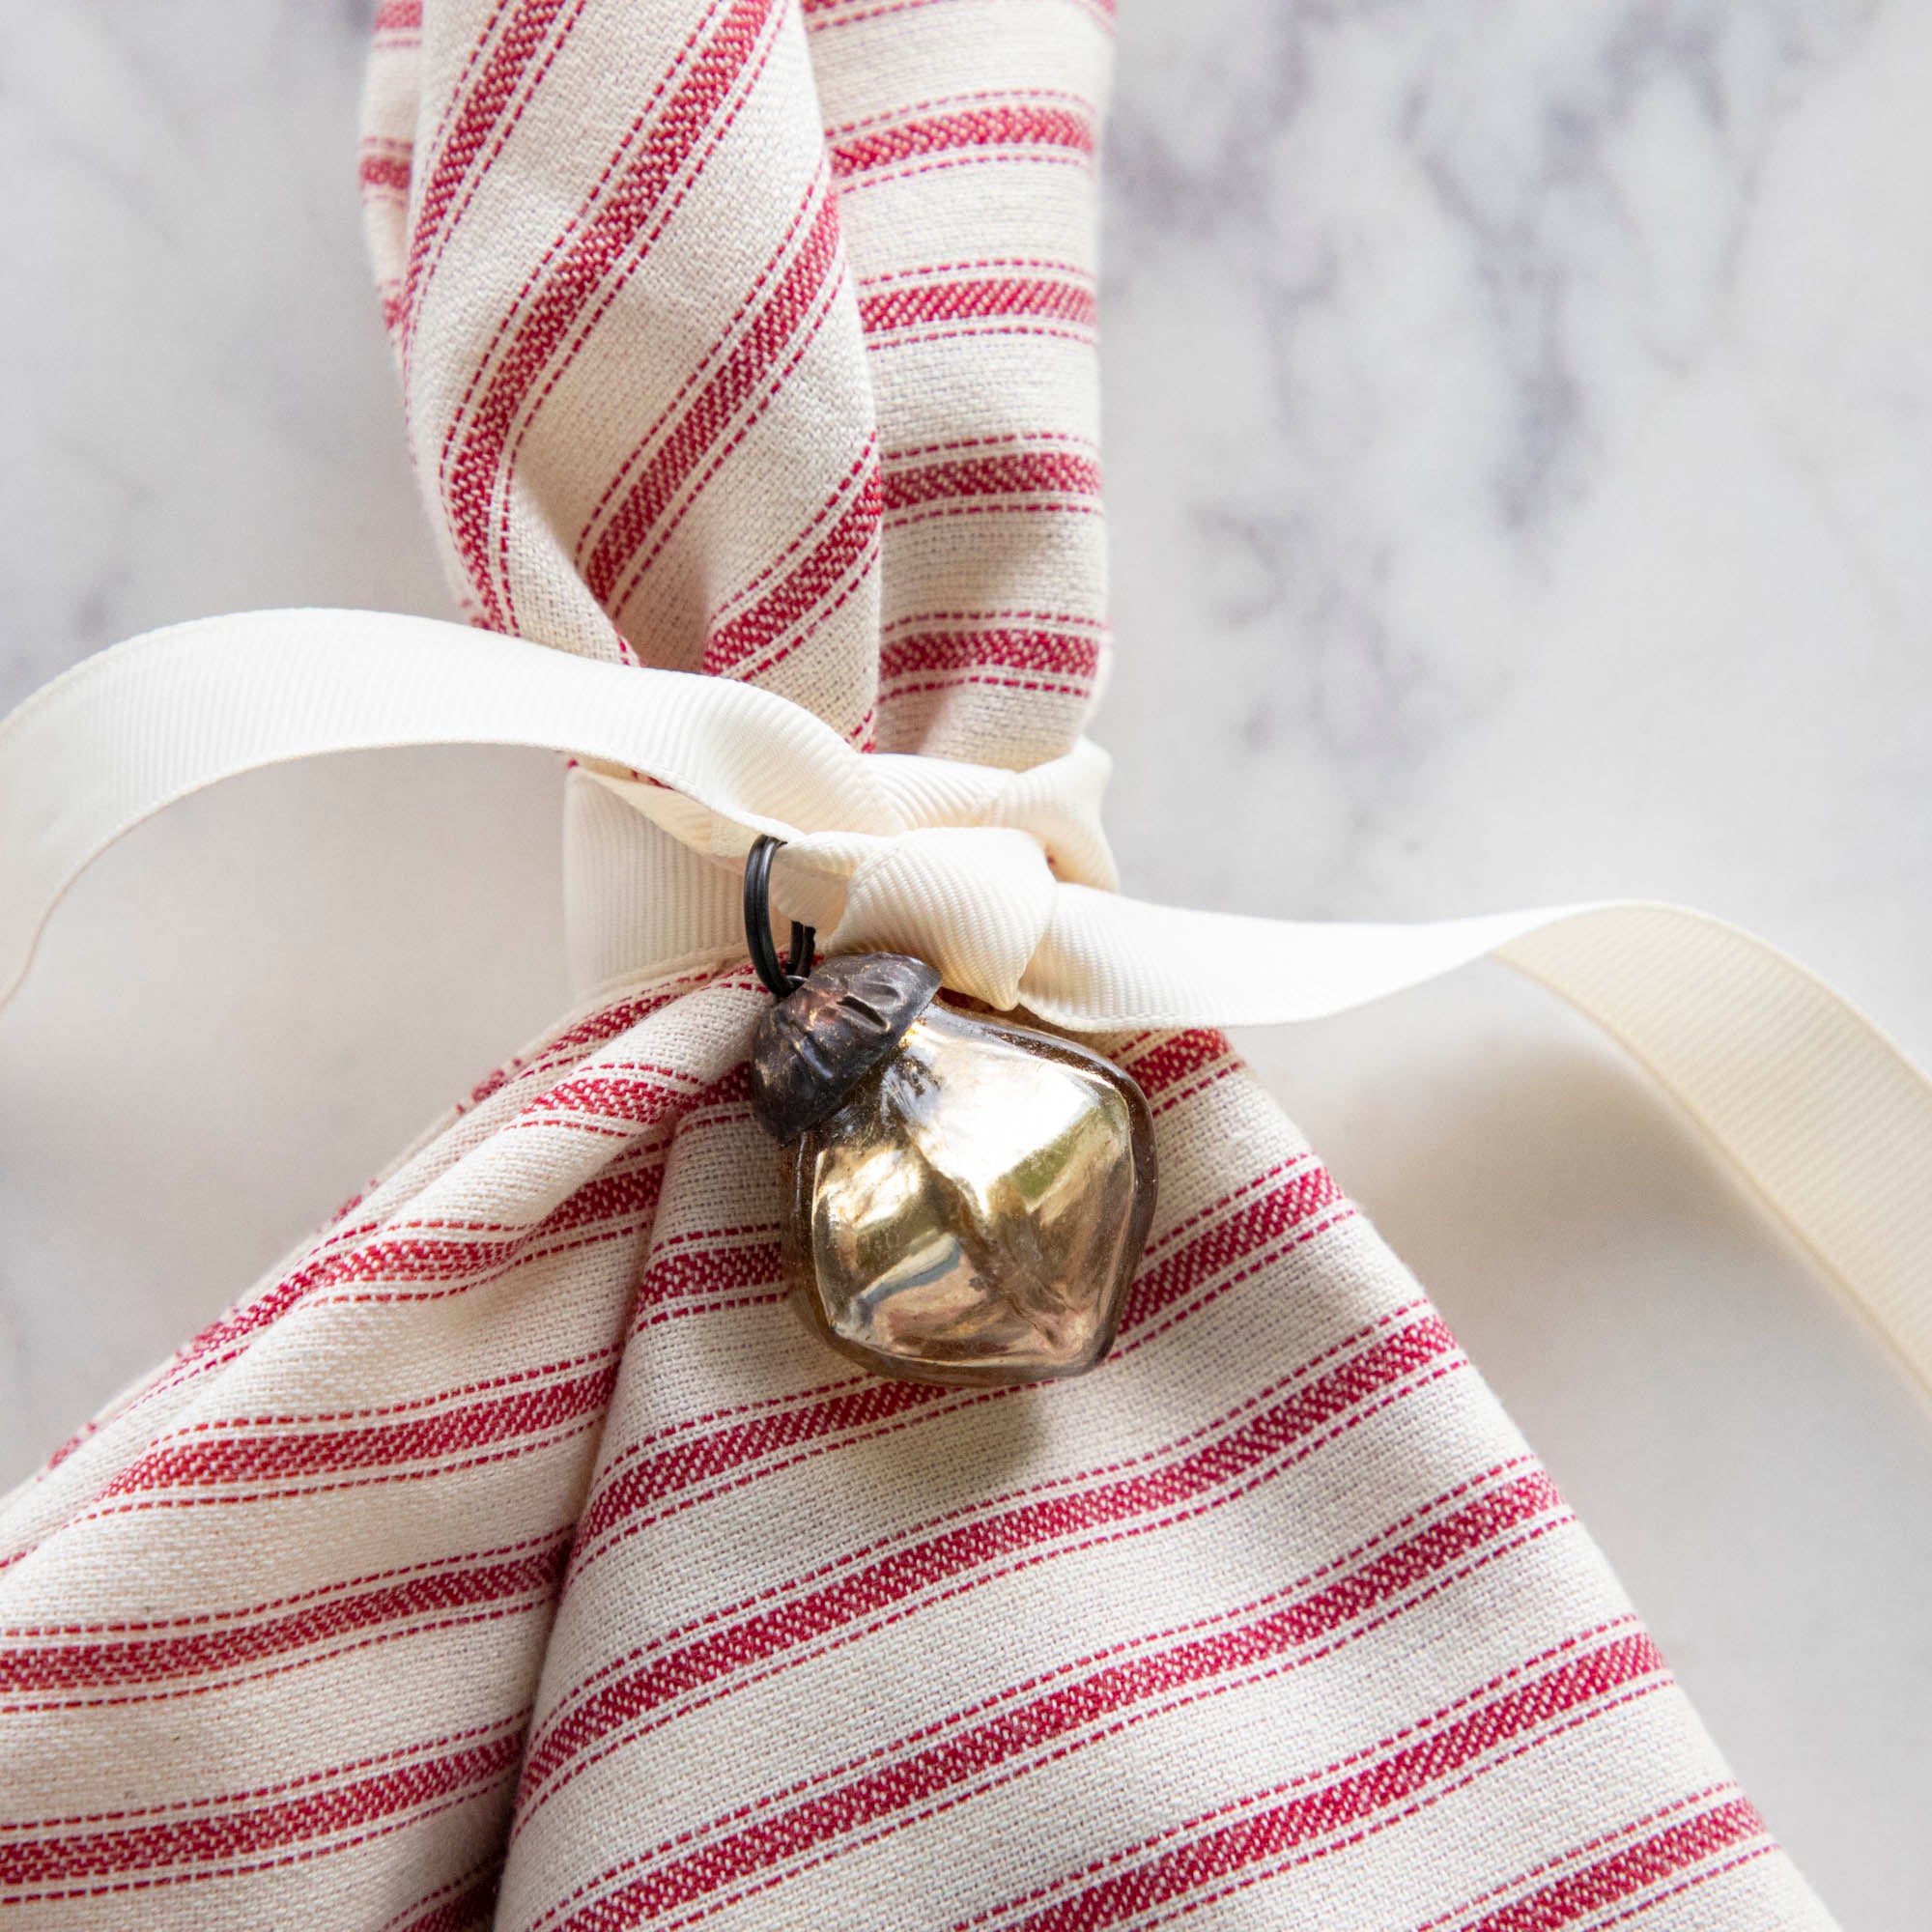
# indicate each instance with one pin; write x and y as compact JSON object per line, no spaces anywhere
{"x":511,"y":1554}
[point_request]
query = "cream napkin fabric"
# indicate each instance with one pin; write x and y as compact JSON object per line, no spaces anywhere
{"x":512,"y":1555}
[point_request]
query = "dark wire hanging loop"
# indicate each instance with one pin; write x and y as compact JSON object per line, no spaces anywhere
{"x":779,"y":977}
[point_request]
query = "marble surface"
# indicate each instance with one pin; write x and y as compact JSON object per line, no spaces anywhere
{"x":1519,"y":415}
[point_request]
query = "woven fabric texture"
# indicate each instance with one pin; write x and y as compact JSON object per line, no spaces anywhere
{"x":512,"y":1555}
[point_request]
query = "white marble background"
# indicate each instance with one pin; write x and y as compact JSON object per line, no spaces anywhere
{"x":1518,"y":431}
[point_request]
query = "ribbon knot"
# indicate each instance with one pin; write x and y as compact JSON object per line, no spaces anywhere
{"x":973,"y":900}
{"x":958,"y":865}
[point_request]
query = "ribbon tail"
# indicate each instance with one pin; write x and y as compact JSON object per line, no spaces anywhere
{"x":1828,"y":1119}
{"x":138,"y":727}
{"x":1824,"y":1116}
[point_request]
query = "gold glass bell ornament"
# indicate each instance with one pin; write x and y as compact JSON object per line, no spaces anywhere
{"x":965,"y":1201}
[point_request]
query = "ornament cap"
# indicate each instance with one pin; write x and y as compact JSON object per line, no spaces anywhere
{"x":814,"y":1045}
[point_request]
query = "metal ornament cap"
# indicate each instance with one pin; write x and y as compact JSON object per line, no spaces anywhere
{"x":814,"y":1046}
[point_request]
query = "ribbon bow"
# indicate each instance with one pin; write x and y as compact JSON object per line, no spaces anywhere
{"x":1002,"y":879}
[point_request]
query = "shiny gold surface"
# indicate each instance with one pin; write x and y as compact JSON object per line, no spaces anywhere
{"x":974,"y":1210}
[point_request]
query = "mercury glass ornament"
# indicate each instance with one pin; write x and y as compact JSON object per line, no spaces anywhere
{"x":965,"y":1201}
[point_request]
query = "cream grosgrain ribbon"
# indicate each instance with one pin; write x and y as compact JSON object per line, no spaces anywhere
{"x":1003,"y":880}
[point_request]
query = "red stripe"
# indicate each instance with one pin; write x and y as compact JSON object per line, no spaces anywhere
{"x":408,"y":1252}
{"x":238,"y":1461}
{"x":729,"y":1451}
{"x":1036,"y":472}
{"x":411,"y":1257}
{"x":398,"y":16}
{"x":988,"y":127}
{"x":1254,"y":1225}
{"x":748,"y":366}
{"x":482,"y":107}
{"x":956,"y":1768}
{"x":413,"y":1249}
{"x":843,"y":549}
{"x":228,"y":1336}
{"x":578,"y":1039}
{"x":620,"y":1193}
{"x":453,"y":1592}
{"x":1612,"y":1880}
{"x":1071,"y":620}
{"x":730,"y":1094}
{"x":1171,"y":1060}
{"x":605,"y":1094}
{"x":471,"y":1908}
{"x":474,"y":461}
{"x":1153,"y":1496}
{"x":1336,"y":1807}
{"x":1056,"y":653}
{"x":690,"y":383}
{"x":232,"y":1335}
{"x":227,"y":1838}
{"x":688,"y":1275}
{"x":1102,"y":9}
{"x":387,"y":172}
{"x":1003,"y":297}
